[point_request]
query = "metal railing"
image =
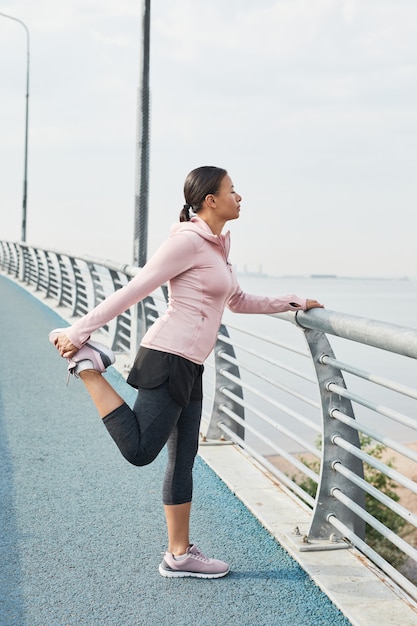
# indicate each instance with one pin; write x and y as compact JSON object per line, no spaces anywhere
{"x":275,"y":392}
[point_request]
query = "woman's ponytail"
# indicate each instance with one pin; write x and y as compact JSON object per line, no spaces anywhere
{"x":186,"y":213}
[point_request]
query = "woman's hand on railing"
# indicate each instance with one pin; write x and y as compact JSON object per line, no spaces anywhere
{"x":313,"y":304}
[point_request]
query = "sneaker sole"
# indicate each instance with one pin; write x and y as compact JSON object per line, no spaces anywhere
{"x":171,"y":573}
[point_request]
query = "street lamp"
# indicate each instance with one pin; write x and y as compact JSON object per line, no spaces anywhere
{"x":25,"y":177}
{"x":140,"y":243}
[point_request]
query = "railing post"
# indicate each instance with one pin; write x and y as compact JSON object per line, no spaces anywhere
{"x":63,"y":282}
{"x":39,"y":267}
{"x":326,"y":505}
{"x":24,"y":272}
{"x":79,"y":289}
{"x":213,"y":430}
{"x":139,"y":324}
{"x":19,"y":268}
{"x":54,"y":288}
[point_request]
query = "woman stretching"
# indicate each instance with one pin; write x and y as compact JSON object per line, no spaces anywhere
{"x":169,"y":365}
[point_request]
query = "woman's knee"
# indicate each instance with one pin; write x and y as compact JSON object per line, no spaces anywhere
{"x":138,"y":458}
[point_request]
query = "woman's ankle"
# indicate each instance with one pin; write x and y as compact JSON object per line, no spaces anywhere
{"x":178,"y":549}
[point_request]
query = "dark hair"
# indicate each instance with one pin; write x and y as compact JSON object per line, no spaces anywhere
{"x":200,"y":183}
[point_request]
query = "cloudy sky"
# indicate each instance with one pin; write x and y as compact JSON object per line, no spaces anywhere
{"x":311,"y":105}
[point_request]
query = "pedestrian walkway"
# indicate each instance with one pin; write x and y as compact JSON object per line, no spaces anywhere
{"x":82,"y":531}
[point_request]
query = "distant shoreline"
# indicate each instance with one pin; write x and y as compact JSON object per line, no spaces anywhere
{"x":248,"y":274}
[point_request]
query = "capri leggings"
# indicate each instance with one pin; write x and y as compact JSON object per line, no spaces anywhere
{"x":155,"y":420}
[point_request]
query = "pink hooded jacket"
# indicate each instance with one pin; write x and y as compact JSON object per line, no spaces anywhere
{"x":201,"y":283}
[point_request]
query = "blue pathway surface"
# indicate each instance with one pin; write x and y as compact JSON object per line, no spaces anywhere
{"x":82,"y":531}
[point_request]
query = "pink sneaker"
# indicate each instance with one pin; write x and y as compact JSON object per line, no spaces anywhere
{"x":91,"y":356}
{"x":194,"y":564}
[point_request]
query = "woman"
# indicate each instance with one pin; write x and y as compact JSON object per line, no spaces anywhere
{"x":169,"y":366}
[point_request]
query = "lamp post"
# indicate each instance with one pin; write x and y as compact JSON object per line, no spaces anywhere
{"x":25,"y":176}
{"x":140,"y":243}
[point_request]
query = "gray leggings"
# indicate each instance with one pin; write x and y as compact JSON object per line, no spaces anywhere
{"x":157,"y":419}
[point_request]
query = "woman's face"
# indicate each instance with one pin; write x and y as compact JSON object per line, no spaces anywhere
{"x":227,"y":200}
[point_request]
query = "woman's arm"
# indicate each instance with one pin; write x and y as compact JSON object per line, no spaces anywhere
{"x":241,"y":302}
{"x":174,"y":256}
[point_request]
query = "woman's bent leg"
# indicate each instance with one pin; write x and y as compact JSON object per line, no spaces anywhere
{"x":141,"y":433}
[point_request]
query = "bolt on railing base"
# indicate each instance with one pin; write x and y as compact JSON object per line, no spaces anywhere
{"x":204,"y":441}
{"x":304,"y":543}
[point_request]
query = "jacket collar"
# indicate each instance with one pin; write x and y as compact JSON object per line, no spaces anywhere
{"x":200,"y":227}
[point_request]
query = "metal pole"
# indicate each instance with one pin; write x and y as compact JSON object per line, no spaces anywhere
{"x":25,"y":175}
{"x":140,"y":244}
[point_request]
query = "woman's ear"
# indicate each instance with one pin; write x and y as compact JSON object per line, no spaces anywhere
{"x":211,"y":200}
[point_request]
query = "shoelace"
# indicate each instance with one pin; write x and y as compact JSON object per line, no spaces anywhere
{"x":71,"y":370}
{"x":69,"y":374}
{"x":199,"y":555}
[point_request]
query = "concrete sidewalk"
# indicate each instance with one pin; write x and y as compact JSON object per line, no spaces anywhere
{"x":82,"y":531}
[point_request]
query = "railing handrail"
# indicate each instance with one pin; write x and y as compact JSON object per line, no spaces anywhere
{"x":378,"y":334}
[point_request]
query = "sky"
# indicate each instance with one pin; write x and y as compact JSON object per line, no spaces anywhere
{"x":311,"y":106}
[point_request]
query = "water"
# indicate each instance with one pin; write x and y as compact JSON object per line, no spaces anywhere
{"x":388,"y":300}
